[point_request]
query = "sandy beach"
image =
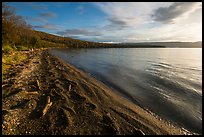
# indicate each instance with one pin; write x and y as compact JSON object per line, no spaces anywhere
{"x":45,"y":96}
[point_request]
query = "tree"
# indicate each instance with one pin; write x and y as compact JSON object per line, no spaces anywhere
{"x":8,"y":26}
{"x":13,"y":27}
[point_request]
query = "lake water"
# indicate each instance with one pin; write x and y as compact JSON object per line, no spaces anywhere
{"x":166,"y":81}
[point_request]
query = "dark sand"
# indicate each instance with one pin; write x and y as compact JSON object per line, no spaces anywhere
{"x":45,"y":96}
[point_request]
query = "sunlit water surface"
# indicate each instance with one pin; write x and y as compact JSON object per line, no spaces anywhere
{"x":166,"y":81}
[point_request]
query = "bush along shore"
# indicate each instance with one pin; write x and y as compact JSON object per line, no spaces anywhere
{"x":44,"y":96}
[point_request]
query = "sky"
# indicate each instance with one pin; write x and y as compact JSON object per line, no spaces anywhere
{"x":116,"y":21}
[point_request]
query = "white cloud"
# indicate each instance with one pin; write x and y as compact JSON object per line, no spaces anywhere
{"x":138,"y":23}
{"x":175,"y":11}
{"x":133,"y":13}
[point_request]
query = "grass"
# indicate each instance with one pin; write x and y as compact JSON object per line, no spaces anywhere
{"x":10,"y":60}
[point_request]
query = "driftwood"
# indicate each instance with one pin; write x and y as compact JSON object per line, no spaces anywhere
{"x":38,"y":84}
{"x":70,"y":86}
{"x":4,"y":85}
{"x":48,"y":105}
{"x":72,"y":82}
{"x":140,"y":132}
{"x":34,"y":92}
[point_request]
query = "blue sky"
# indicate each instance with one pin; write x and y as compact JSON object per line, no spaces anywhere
{"x":116,"y":21}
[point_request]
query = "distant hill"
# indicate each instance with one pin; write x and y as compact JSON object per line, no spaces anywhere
{"x":163,"y":44}
{"x":67,"y":42}
{"x":51,"y":40}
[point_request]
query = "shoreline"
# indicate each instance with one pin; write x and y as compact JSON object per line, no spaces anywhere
{"x":51,"y":97}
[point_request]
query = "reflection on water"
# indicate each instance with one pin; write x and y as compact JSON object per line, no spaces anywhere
{"x":167,"y":81}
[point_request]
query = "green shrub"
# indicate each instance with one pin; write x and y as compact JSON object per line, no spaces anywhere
{"x":7,"y":49}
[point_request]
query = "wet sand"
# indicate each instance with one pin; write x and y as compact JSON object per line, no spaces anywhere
{"x":45,"y":96}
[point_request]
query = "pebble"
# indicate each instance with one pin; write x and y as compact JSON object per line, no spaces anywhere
{"x":4,"y":127}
